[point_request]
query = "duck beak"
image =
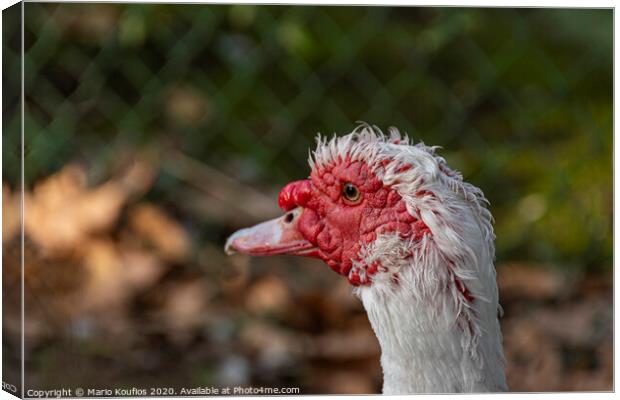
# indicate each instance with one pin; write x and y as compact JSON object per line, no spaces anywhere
{"x":276,"y":236}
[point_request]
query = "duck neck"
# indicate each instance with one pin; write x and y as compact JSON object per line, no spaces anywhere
{"x":425,"y":349}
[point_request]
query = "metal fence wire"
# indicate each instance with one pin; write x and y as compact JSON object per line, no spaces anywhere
{"x":520,"y":99}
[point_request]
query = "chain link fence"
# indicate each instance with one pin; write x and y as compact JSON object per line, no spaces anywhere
{"x":519,"y":99}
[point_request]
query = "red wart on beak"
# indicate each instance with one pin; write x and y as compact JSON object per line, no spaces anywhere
{"x":295,"y":194}
{"x":280,"y":235}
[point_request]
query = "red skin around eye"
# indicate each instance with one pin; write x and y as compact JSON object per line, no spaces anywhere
{"x":339,"y":228}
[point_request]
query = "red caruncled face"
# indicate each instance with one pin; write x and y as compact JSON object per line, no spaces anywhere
{"x":332,"y":215}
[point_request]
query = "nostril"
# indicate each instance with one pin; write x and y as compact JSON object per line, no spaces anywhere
{"x":288,"y":218}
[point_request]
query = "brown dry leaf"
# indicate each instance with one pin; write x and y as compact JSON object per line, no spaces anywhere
{"x":139,"y":175}
{"x":141,"y":269}
{"x":11,"y":219}
{"x":100,"y":207}
{"x":61,"y":212}
{"x":161,"y":231}
{"x":105,"y":286}
{"x":269,"y":294}
{"x":532,"y":282}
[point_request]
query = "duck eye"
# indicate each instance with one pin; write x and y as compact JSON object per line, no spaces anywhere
{"x":351,"y":192}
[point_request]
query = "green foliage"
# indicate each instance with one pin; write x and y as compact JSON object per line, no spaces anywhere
{"x":520,"y":99}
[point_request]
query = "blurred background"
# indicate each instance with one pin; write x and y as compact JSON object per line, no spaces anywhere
{"x":154,"y":131}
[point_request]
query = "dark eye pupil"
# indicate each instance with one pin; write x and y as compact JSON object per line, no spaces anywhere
{"x":350,"y":191}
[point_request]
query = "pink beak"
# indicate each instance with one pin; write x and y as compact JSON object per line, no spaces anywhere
{"x":276,"y":236}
